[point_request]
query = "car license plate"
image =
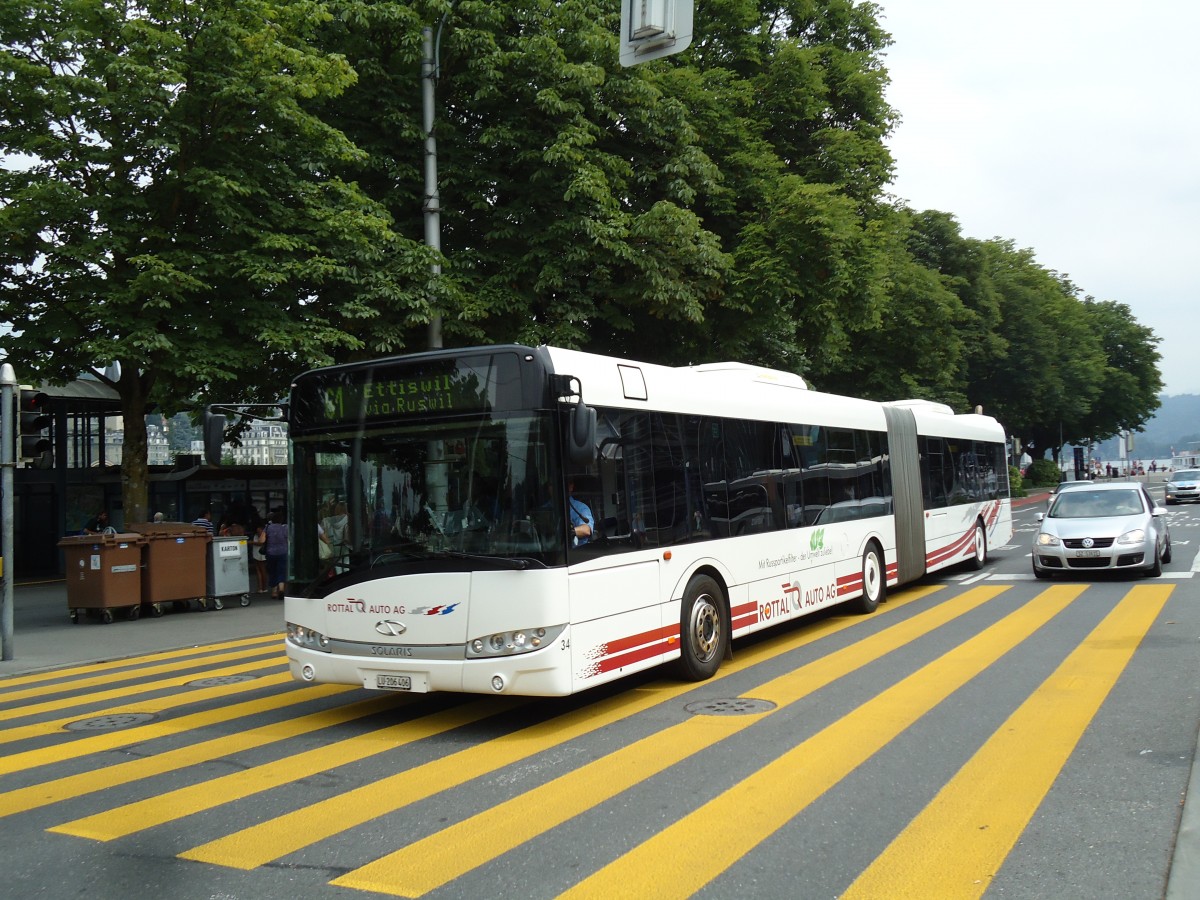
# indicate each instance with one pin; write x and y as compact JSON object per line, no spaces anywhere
{"x":1087,"y":553}
{"x":394,"y":682}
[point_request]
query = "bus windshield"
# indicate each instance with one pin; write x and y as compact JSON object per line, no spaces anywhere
{"x":408,"y":497}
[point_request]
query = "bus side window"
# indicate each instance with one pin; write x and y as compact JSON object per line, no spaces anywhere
{"x":933,"y":472}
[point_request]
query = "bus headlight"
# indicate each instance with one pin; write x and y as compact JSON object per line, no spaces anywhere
{"x":307,"y":638}
{"x":511,"y":643}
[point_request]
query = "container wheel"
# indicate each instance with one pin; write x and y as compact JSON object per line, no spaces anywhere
{"x":106,"y":616}
{"x":218,"y":603}
{"x":156,"y":610}
{"x":245,"y":599}
{"x":74,"y":617}
{"x":133,"y":613}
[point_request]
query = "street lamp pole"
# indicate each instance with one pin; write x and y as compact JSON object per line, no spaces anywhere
{"x":8,"y":462}
{"x":433,"y":206}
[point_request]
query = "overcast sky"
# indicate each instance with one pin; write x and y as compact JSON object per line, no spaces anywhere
{"x":1072,"y":128}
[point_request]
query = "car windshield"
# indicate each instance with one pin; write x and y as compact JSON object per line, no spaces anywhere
{"x":1190,"y":475}
{"x":1071,"y":485}
{"x":1097,"y":504}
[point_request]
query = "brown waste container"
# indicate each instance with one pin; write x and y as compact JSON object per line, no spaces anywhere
{"x":104,"y":573}
{"x":174,"y":557}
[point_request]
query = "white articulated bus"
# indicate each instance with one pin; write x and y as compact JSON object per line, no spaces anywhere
{"x":520,"y":520}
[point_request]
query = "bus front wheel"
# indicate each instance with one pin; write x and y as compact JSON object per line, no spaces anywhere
{"x":703,"y":631}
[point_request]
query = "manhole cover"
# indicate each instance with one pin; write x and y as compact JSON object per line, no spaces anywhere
{"x":110,"y":722}
{"x":218,"y":680}
{"x":739,"y":706}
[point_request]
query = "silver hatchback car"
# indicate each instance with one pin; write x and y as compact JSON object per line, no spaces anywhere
{"x":1113,"y":527}
{"x":1183,"y":485}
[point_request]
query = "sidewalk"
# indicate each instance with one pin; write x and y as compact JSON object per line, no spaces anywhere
{"x":45,"y":638}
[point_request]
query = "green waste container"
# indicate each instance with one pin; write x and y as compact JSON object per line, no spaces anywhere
{"x":104,"y":573}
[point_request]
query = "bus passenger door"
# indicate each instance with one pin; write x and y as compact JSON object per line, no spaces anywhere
{"x":614,"y":576}
{"x":615,"y":618}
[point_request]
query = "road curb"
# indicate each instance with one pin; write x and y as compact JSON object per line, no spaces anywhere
{"x":1183,"y":880}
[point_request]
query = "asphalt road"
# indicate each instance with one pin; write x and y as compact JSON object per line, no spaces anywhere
{"x":982,"y":734}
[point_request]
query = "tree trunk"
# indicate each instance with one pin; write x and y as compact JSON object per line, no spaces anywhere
{"x":135,"y":487}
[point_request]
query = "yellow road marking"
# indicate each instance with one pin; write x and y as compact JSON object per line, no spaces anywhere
{"x":196,"y":798}
{"x":111,"y":666}
{"x":272,"y":839}
{"x":733,"y":823}
{"x":202,"y":668}
{"x":440,"y":858}
{"x":956,"y":845}
{"x":83,"y":783}
{"x":17,"y":762}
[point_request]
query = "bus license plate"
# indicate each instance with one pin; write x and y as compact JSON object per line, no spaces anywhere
{"x":394,"y":682}
{"x":1087,"y":553}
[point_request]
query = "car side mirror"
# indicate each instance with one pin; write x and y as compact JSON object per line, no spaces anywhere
{"x":1039,"y":517}
{"x":1158,"y":511}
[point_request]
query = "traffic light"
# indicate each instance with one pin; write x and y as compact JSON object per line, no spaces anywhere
{"x":36,"y":444}
{"x":214,"y":437}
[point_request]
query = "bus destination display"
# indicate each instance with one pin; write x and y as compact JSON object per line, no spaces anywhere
{"x":447,"y":386}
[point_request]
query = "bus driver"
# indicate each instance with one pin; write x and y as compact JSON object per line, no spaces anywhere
{"x":582,"y":521}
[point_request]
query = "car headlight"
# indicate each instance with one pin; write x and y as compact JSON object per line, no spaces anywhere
{"x":1137,"y":536}
{"x":1047,"y":540}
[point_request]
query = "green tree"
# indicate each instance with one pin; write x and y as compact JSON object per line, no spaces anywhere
{"x":1130,"y":383}
{"x":717,"y":197}
{"x":936,"y":241}
{"x":172,"y":205}
{"x":1047,"y":380}
{"x":923,"y":334}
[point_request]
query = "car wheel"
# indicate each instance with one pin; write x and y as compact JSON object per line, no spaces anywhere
{"x":1166,"y":557}
{"x":1155,"y":570}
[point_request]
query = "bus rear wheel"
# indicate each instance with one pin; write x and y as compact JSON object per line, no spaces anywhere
{"x":874,"y":582}
{"x":703,"y":629}
{"x":980,"y":556}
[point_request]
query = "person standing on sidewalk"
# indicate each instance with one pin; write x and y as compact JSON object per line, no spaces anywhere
{"x":277,"y":551}
{"x":258,"y":552}
{"x":204,"y":520}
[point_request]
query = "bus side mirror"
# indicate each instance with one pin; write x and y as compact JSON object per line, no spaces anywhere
{"x":582,"y":434}
{"x":214,"y":437}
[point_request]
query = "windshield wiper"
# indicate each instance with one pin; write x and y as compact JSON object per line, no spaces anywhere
{"x":505,"y":562}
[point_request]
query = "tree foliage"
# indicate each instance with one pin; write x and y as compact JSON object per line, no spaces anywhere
{"x":217,"y":194}
{"x":177,"y":212}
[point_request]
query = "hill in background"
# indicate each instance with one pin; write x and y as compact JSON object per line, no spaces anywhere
{"x":1176,"y":426}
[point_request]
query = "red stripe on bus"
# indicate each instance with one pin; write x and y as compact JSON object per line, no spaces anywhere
{"x":636,"y":640}
{"x":609,"y":663}
{"x":748,"y":619}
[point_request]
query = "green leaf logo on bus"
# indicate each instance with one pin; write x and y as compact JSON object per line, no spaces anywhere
{"x":817,"y":540}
